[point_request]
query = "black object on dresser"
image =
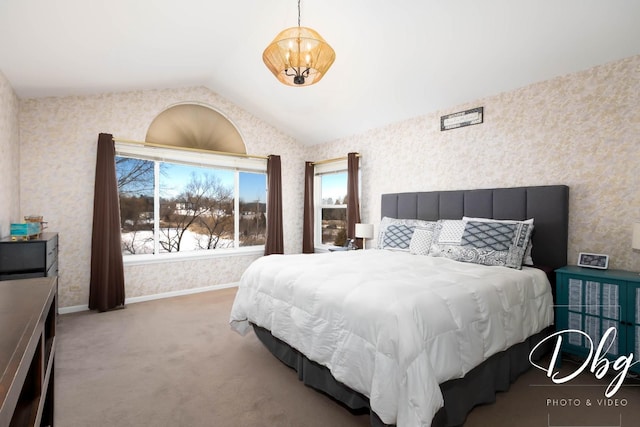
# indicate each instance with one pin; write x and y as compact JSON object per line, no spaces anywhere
{"x":23,"y":259}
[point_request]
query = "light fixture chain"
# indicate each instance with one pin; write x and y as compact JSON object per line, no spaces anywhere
{"x":298,"y":13}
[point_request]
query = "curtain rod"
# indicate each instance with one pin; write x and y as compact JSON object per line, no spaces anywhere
{"x":336,"y":159}
{"x":196,"y":150}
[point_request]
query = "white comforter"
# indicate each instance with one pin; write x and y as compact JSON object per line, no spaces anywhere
{"x":392,"y":325}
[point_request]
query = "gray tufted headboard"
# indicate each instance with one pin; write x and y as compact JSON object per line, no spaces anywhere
{"x":547,"y":205}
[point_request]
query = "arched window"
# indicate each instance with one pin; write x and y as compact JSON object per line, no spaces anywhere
{"x":195,"y":126}
{"x":180,"y":195}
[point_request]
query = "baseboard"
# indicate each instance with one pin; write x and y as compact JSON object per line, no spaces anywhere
{"x":133,"y":300}
{"x":72,"y":309}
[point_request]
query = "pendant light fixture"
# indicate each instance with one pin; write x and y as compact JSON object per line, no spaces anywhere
{"x":298,"y":56}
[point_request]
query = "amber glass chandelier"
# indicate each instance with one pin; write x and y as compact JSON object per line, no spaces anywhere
{"x":298,"y":56}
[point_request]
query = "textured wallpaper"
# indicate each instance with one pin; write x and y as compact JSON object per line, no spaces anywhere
{"x":58,"y":155}
{"x":582,"y":130}
{"x":9,"y":157}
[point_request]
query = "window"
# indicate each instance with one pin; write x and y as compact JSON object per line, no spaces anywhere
{"x":174,"y":201}
{"x":331,"y":203}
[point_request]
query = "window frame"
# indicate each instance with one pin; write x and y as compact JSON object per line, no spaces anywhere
{"x":320,"y":169}
{"x":197,"y":158}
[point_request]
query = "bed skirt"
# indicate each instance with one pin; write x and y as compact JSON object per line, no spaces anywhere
{"x":460,"y":395}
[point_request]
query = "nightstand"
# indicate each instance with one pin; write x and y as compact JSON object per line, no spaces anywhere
{"x":593,"y":301}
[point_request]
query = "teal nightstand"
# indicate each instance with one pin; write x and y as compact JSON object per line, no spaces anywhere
{"x":593,"y":301}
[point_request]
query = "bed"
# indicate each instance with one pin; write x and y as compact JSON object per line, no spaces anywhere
{"x":354,"y":324}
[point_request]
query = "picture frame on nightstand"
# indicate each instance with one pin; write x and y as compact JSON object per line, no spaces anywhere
{"x":599,"y":261}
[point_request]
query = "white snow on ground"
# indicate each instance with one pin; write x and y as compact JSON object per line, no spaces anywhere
{"x":144,"y":241}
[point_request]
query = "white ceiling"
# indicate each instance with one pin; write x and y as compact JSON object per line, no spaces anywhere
{"x":394,"y":59}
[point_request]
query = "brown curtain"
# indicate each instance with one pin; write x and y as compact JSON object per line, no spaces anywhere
{"x":353,"y":201}
{"x":307,"y":221}
{"x":274,"y":243}
{"x":106,"y":289}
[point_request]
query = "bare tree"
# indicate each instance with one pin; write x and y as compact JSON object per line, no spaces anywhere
{"x":135,"y":176}
{"x":134,"y":244}
{"x":218,"y":220}
{"x":136,"y":212}
{"x":215,"y":227}
{"x":253,"y":223}
{"x":204,"y":205}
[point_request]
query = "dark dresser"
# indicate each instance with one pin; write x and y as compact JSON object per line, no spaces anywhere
{"x":27,"y":351}
{"x":24,"y":259}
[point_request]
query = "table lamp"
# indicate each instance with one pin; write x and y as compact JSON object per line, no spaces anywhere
{"x":365,"y":231}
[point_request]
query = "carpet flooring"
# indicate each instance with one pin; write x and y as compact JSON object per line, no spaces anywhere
{"x":175,"y":362}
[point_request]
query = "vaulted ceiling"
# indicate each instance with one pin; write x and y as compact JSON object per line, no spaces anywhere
{"x":394,"y":59}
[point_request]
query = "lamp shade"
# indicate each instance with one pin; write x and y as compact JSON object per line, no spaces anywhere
{"x":635,"y":241}
{"x":364,"y":231}
{"x":298,"y":56}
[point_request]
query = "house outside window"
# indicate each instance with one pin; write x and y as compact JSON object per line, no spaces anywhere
{"x":182,"y":203}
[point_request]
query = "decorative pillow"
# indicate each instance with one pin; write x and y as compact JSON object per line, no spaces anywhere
{"x":395,"y":234}
{"x":527,"y":260}
{"x":398,"y":236}
{"x":496,"y":243}
{"x":488,"y":242}
{"x":421,"y":240}
{"x":492,"y":236}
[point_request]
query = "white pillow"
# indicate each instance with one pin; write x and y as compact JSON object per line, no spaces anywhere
{"x":421,"y":240}
{"x":447,"y":238}
{"x":451,"y":231}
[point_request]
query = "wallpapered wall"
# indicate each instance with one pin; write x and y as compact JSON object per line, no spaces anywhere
{"x":58,"y":156}
{"x":9,"y":156}
{"x":582,"y":130}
